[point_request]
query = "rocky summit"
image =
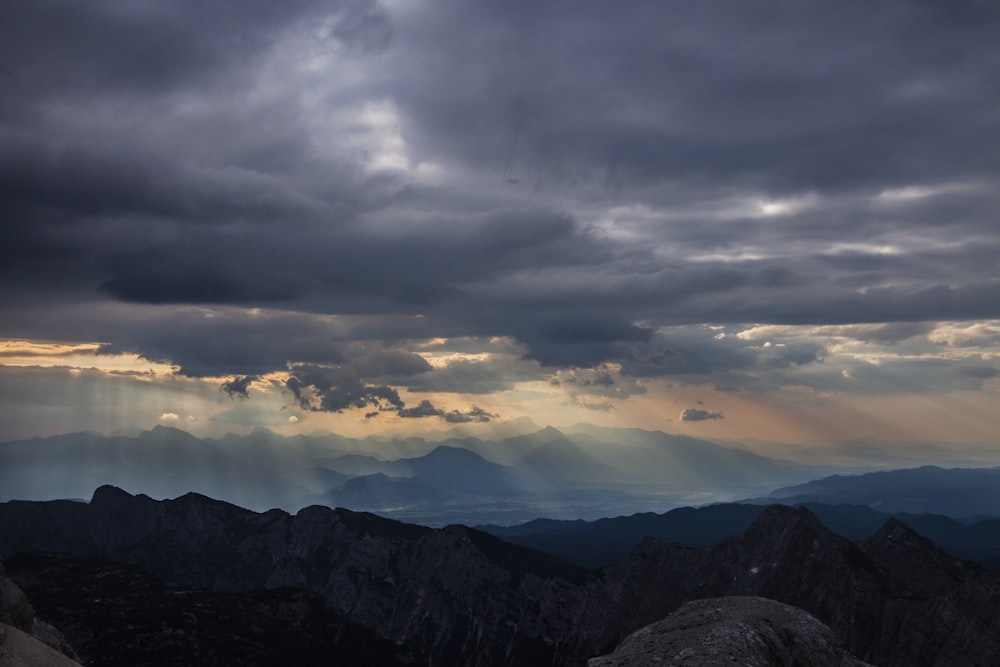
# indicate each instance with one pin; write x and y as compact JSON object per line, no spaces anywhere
{"x":748,"y":631}
{"x":459,"y":596}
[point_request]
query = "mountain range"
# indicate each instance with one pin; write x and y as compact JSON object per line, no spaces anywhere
{"x":602,"y":542}
{"x":588,"y":473}
{"x":460,"y":596}
{"x":964,"y":493}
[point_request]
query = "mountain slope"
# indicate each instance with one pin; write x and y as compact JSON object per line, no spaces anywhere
{"x":452,"y":594}
{"x":117,"y":614}
{"x":460,"y":596}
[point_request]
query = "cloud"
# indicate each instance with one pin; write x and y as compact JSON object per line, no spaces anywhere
{"x":495,"y":373}
{"x":239,"y":386}
{"x":426,"y":409}
{"x":984,"y":372}
{"x":332,"y":186}
{"x":603,"y":380}
{"x":325,"y":389}
{"x":169,"y":417}
{"x":698,"y":415}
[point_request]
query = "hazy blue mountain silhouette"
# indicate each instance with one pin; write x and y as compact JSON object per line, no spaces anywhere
{"x":955,"y":492}
{"x":587,"y":472}
{"x":371,"y":492}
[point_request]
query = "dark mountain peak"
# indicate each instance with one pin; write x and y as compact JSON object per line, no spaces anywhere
{"x":538,"y":438}
{"x":106,"y":494}
{"x":548,"y":433}
{"x":192,"y":499}
{"x":777,"y":520}
{"x":449,"y":453}
{"x":785,"y":540}
{"x":916,"y":560}
{"x":166,"y":431}
{"x":895,"y":530}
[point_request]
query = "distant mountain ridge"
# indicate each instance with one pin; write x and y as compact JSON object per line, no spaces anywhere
{"x":460,"y":596}
{"x":955,"y":492}
{"x":548,"y":472}
{"x":602,"y":542}
{"x":946,"y":505}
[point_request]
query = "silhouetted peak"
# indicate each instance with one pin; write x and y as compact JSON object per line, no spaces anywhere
{"x":915,"y":561}
{"x":895,"y":533}
{"x":777,"y":519}
{"x":192,"y":498}
{"x":108,"y":494}
{"x":549,"y":432}
{"x":449,"y":453}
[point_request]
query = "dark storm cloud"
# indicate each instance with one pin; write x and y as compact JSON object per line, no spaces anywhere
{"x":699,"y":415}
{"x":257,"y":264}
{"x":427,"y":409}
{"x":239,"y":386}
{"x":569,"y":176}
{"x":326,"y":389}
{"x":777,"y":94}
{"x":214,"y":343}
{"x":473,"y":414}
{"x":151,"y":47}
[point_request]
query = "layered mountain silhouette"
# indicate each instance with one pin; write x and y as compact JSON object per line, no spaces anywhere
{"x":460,"y":596}
{"x":589,"y":472}
{"x":956,"y":492}
{"x":603,"y":541}
{"x":583,"y":472}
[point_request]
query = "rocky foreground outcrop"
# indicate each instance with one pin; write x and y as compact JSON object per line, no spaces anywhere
{"x":746,"y":631}
{"x":25,"y":640}
{"x":459,"y":596}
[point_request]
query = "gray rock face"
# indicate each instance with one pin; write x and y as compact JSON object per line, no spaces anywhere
{"x":25,"y":639}
{"x":19,"y":649}
{"x":747,"y":631}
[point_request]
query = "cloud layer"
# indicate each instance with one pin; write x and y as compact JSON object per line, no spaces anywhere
{"x":459,"y":197}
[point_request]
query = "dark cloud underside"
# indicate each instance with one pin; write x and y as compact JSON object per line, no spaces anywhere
{"x":570,"y":176}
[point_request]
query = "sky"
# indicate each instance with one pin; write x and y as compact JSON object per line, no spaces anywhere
{"x":769,"y":221}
